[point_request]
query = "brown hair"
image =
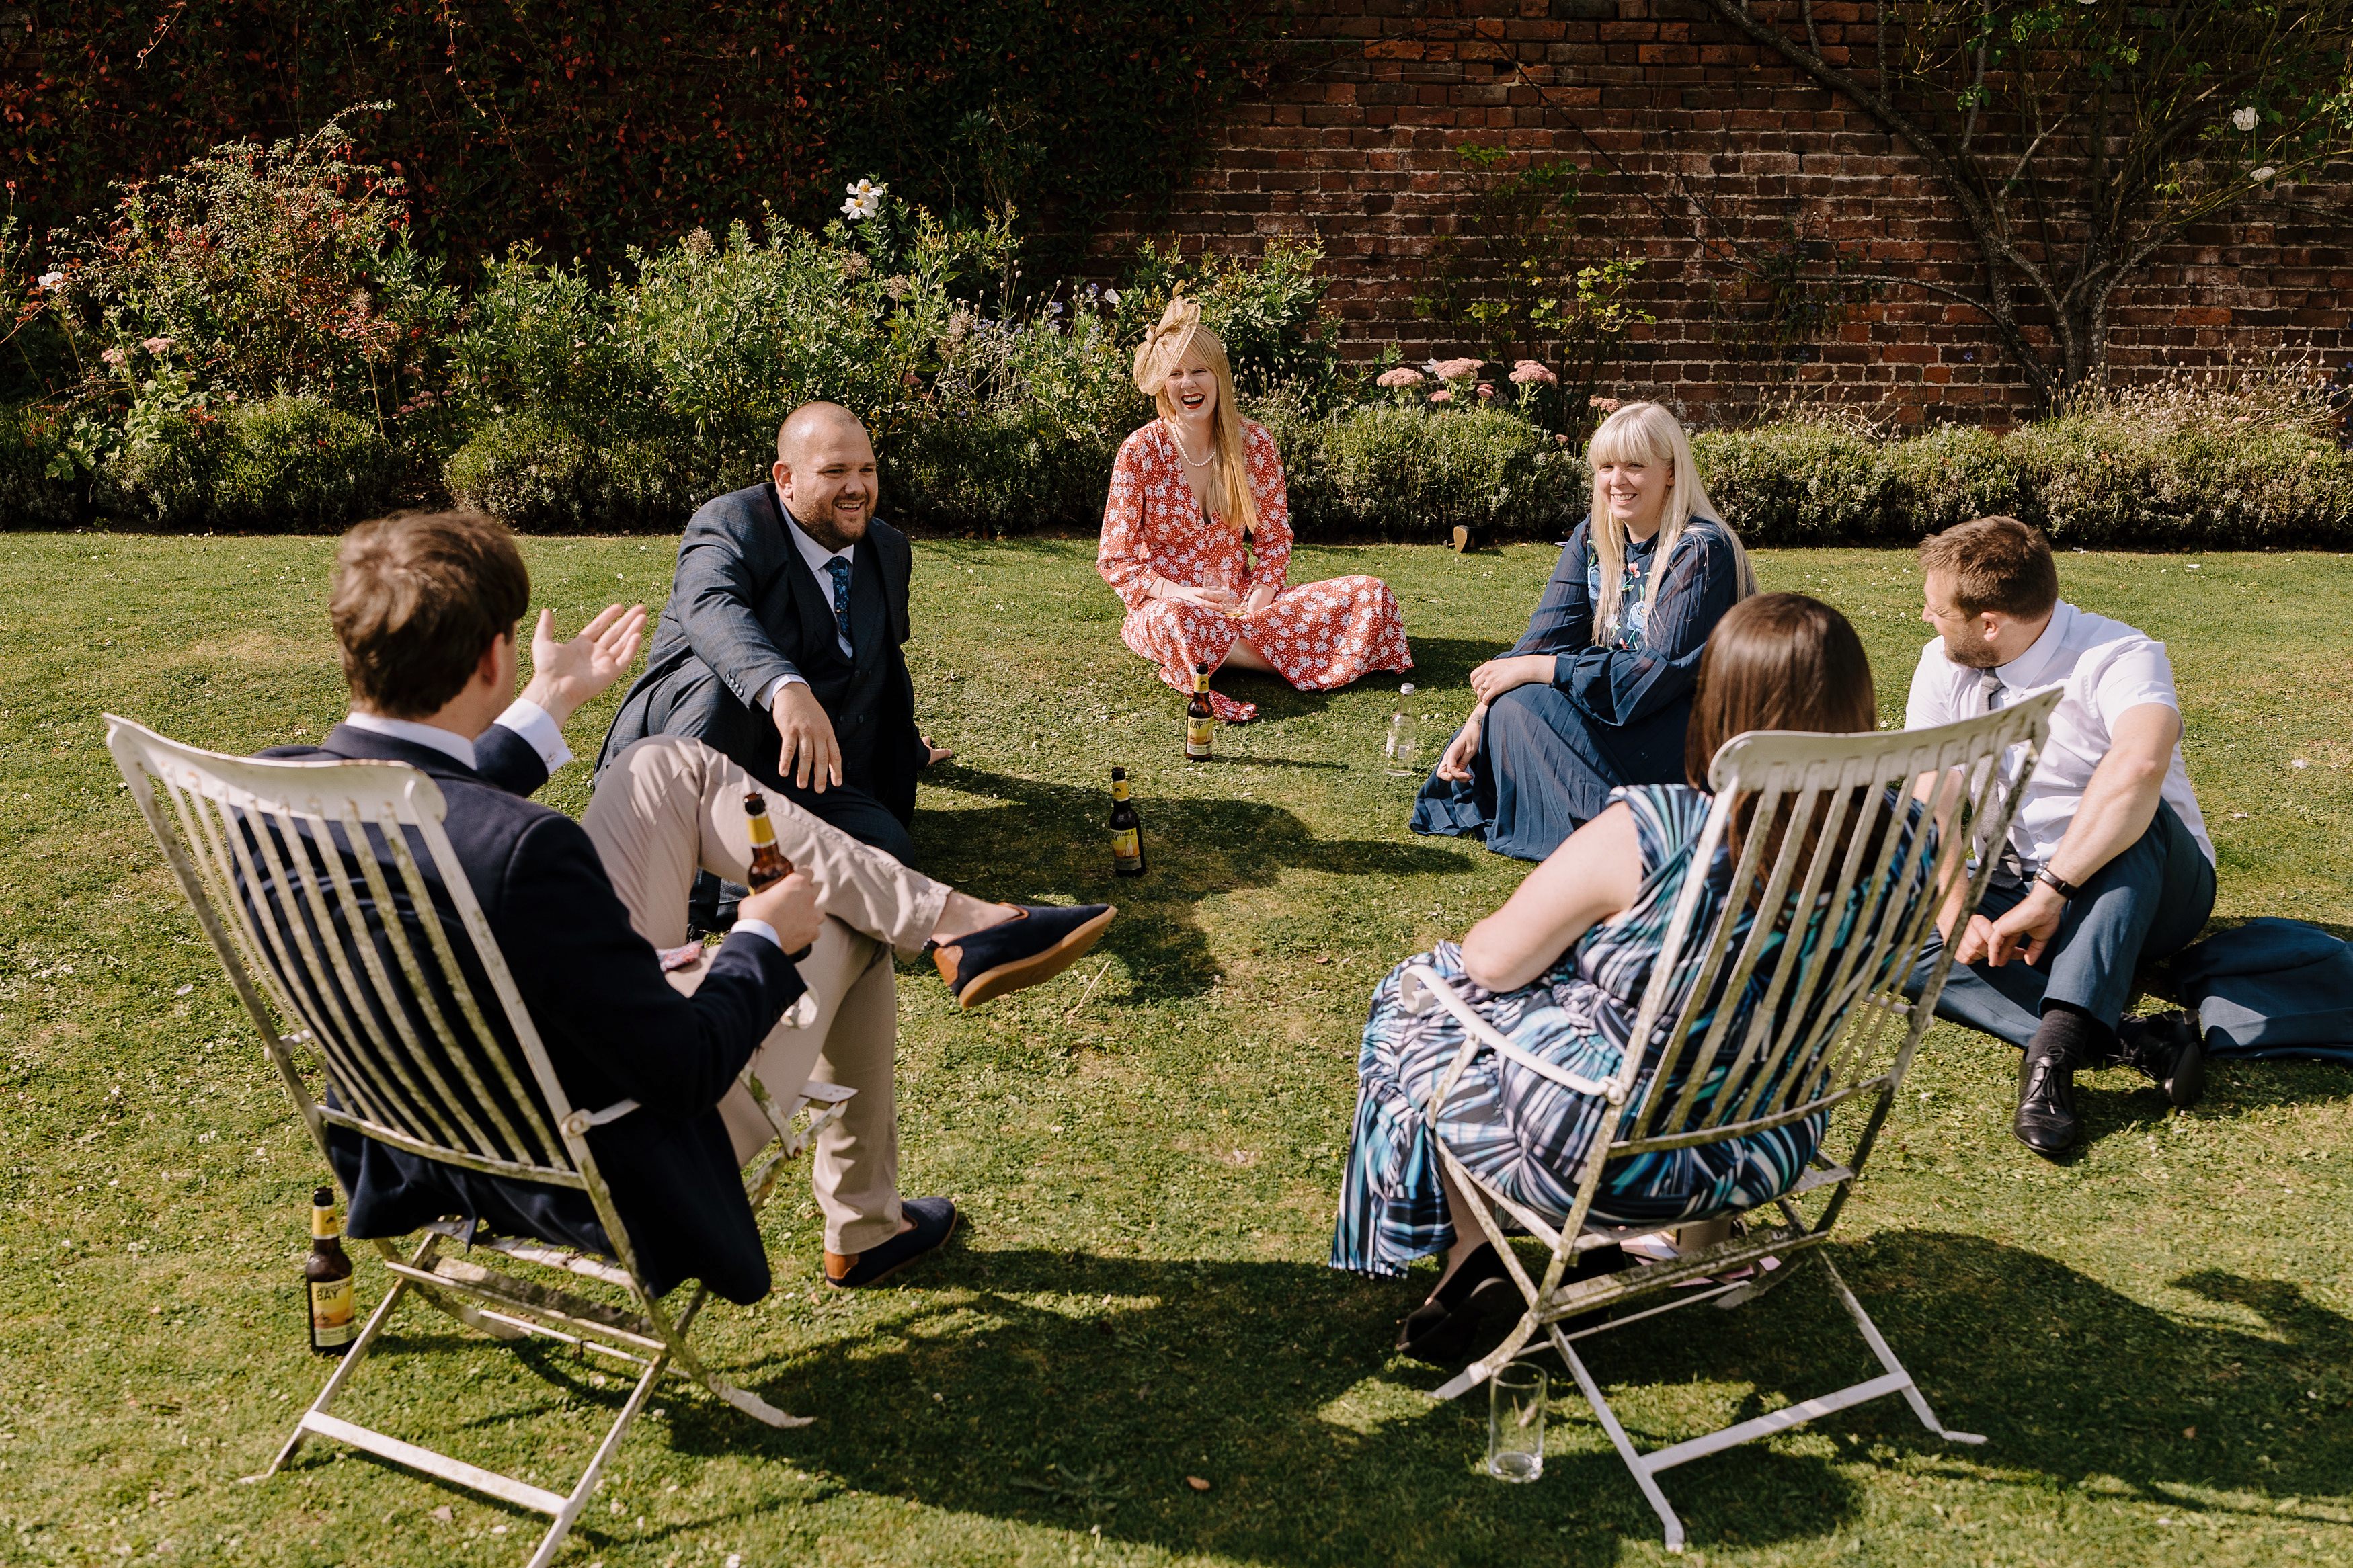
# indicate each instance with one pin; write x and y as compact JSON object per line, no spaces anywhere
{"x":1778,"y":661}
{"x":417,"y":597}
{"x":1996,"y":563}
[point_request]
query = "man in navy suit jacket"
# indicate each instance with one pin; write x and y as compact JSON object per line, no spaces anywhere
{"x":782,"y":644}
{"x":424,"y":609}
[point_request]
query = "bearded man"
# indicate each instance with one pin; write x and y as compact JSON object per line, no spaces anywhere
{"x":782,"y":644}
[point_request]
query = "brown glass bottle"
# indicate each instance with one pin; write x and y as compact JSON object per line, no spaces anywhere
{"x":327,"y":1281}
{"x":768,"y":863}
{"x":1201,"y":721}
{"x":1126,"y":829}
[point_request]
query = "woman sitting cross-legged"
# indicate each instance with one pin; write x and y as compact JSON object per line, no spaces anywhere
{"x":1598,"y":692}
{"x":1561,"y":970}
{"x":1194,"y":496}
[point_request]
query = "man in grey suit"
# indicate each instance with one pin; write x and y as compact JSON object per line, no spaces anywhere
{"x":781,"y":647}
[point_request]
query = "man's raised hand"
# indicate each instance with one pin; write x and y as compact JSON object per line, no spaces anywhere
{"x":810,"y":755}
{"x":564,"y":674}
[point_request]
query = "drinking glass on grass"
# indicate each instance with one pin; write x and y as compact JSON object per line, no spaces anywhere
{"x":1516,"y":1422}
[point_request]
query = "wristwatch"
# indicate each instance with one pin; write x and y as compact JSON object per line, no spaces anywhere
{"x":2052,"y":880}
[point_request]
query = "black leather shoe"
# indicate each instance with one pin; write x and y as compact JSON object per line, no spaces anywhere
{"x":2165,"y":1050}
{"x":1441,"y":1328}
{"x":2046,"y":1120}
{"x":934,"y":1221}
{"x":1036,"y":944}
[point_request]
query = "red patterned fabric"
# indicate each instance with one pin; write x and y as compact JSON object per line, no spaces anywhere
{"x":1317,"y":636}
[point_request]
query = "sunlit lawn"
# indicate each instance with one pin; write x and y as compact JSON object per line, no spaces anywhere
{"x":2155,"y":1337}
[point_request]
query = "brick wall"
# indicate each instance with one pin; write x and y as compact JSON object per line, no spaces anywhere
{"x":1694,"y":139}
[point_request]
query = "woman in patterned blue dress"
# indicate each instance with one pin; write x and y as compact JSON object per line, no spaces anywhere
{"x":1598,"y":692}
{"x":1560,"y":970}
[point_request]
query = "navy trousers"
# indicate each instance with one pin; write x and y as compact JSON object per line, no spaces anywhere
{"x":1544,"y":769}
{"x":2148,"y":903}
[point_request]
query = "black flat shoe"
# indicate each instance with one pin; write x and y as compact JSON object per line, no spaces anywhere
{"x":2165,"y":1050}
{"x":2046,"y":1120}
{"x":1036,"y":943}
{"x":1442,"y":1327}
{"x":934,"y":1220}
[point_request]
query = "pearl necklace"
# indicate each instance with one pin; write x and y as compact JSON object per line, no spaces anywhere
{"x":1187,"y":457}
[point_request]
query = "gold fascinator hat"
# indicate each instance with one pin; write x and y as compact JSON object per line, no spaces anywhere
{"x":1165,"y":345}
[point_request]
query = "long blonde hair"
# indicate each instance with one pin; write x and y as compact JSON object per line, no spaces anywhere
{"x":1163,"y":349}
{"x":1647,"y":434}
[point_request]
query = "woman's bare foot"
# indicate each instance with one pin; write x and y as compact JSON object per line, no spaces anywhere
{"x":935,"y":756}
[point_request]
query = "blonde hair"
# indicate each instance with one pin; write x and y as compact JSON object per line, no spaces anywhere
{"x":1163,"y":348}
{"x":1647,"y":434}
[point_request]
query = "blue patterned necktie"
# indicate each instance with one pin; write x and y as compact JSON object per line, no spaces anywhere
{"x":840,"y":571}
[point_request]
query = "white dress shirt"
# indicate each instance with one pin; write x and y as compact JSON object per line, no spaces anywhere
{"x":538,"y":728}
{"x":2105,"y":668}
{"x":816,"y":555}
{"x":525,"y":718}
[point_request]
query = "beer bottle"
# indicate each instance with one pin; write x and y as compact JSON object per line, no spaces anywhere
{"x":327,"y":1281}
{"x":768,"y":862}
{"x":1126,"y":829}
{"x":1200,"y":722}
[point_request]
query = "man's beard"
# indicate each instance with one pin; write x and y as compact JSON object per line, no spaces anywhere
{"x":1971,"y":656}
{"x":826,"y":530}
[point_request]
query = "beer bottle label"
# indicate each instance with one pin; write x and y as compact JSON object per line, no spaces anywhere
{"x":1126,"y":847}
{"x":1198,"y":733}
{"x":332,"y":1316}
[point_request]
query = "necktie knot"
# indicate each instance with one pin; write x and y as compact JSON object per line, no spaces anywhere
{"x":1989,"y":687}
{"x":840,"y":570}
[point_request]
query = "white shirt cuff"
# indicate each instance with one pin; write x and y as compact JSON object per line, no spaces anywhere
{"x":769,"y":699}
{"x":759,"y":929}
{"x":539,"y":731}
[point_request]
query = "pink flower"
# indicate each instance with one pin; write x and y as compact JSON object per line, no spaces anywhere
{"x":1457,"y":369}
{"x":1486,"y":390}
{"x":113,"y":356}
{"x":156,"y":345}
{"x":1607,"y":404}
{"x":1403,"y":375}
{"x":1442,"y":396}
{"x":1529,"y":371}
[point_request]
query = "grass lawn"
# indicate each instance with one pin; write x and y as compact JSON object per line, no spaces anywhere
{"x":2156,"y":1337}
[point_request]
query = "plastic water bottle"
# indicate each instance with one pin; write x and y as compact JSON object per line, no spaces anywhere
{"x":1401,"y":748}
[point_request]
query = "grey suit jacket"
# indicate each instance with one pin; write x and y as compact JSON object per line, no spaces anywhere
{"x":744,"y":610}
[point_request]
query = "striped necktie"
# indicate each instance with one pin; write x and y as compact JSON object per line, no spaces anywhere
{"x":2010,"y":871}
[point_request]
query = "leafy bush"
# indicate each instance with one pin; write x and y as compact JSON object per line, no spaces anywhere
{"x":34,"y":492}
{"x":1394,"y":472}
{"x":294,"y":464}
{"x":542,"y":477}
{"x":1816,"y":481}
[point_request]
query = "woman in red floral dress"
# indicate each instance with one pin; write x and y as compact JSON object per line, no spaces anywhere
{"x":1195,"y":496}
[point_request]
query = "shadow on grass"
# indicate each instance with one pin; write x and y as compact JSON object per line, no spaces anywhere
{"x":1080,"y":1391}
{"x":1047,"y":835}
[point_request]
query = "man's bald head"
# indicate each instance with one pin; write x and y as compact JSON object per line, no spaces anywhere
{"x":825,"y":473}
{"x":812,"y":421}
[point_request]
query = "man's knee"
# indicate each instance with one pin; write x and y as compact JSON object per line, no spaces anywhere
{"x":665,"y":757}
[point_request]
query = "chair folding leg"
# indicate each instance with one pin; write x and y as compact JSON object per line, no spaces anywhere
{"x":1625,"y":1446}
{"x":1879,"y":1347}
{"x":1645,"y":1467}
{"x":553,"y":1540}
{"x":343,"y":1368}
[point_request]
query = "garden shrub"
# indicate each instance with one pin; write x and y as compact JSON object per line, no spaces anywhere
{"x":542,"y":477}
{"x":32,"y":448}
{"x":1795,"y":482}
{"x":1389,"y":471}
{"x":294,"y":464}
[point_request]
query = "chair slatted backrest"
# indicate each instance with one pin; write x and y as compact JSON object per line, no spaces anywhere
{"x":341,"y":912}
{"x":1779,"y":1005}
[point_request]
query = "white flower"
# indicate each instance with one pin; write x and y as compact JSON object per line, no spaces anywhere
{"x":1111,"y":296}
{"x":865,"y":200}
{"x":2264,"y":174}
{"x":51,"y":280}
{"x":2244,"y":118}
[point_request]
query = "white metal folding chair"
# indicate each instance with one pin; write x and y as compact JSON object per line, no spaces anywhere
{"x":1831,"y":1025}
{"x":286,"y":864}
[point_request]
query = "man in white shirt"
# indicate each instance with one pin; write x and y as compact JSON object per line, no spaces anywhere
{"x":2108,"y":866}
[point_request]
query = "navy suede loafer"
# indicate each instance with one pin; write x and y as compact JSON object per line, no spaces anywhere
{"x":934,"y":1221}
{"x":1037,"y":943}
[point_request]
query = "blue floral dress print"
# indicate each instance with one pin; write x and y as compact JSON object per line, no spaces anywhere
{"x":1529,"y":1135}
